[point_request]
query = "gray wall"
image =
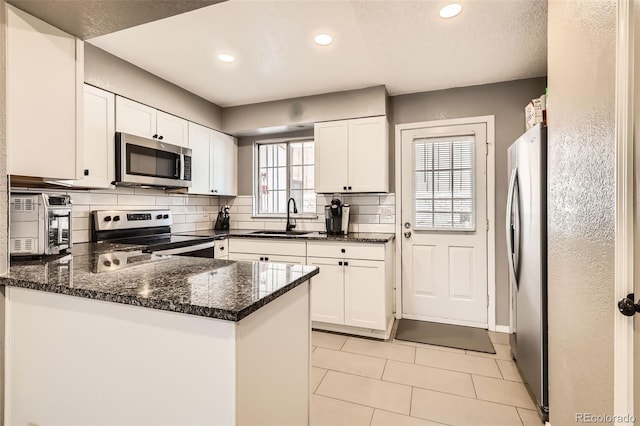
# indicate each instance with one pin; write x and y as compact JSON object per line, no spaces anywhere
{"x":111,"y":73}
{"x":504,"y":100}
{"x":304,"y":111}
{"x":581,"y":207}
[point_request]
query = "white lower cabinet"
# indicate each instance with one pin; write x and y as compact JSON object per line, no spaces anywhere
{"x":267,"y":250}
{"x":327,"y":291}
{"x":364,"y":294}
{"x":267,"y":258}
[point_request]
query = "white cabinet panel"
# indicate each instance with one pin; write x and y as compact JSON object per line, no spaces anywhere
{"x":270,"y":246}
{"x":172,"y":129}
{"x":200,"y":142}
{"x":369,"y":155}
{"x":252,"y":257}
{"x":364,"y":294}
{"x":331,"y":140}
{"x":327,"y":291}
{"x":45,"y":72}
{"x":99,"y":135}
{"x":135,"y":118}
{"x":224,"y":164}
{"x":346,"y":250}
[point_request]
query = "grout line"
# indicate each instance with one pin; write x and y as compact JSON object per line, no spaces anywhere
{"x":411,"y":401}
{"x":384,"y":369}
{"x":320,"y":382}
{"x":499,"y":369}
{"x":521,"y":419}
{"x":473,"y":383}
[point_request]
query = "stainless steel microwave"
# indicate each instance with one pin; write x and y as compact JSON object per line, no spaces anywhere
{"x":142,"y":161}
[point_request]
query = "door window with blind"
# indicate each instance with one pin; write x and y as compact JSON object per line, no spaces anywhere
{"x":284,"y":169}
{"x":444,"y":184}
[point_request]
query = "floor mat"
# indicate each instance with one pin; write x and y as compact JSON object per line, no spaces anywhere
{"x":452,"y":336}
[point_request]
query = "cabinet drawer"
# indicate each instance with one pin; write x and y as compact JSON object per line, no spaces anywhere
{"x":267,"y":246}
{"x":251,"y":257}
{"x":346,"y":250}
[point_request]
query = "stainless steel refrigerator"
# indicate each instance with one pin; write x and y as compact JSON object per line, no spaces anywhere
{"x":526,"y":232}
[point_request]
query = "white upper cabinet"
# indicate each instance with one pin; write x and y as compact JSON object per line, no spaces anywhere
{"x":352,"y":155}
{"x":214,"y":162}
{"x":200,"y":142}
{"x":142,"y":120}
{"x":331,"y":156}
{"x":225,"y":164}
{"x":45,"y":73}
{"x":99,"y":138}
{"x":172,"y":129}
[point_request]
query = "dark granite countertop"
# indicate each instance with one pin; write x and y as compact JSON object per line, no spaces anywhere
{"x":214,"y":288}
{"x":353,"y":237}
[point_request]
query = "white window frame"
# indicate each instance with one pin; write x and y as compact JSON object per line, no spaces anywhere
{"x":256,"y":179}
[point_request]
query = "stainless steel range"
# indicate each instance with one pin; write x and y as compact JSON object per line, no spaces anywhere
{"x":149,"y":229}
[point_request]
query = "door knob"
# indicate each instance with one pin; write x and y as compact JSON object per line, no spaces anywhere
{"x":407,"y":234}
{"x":627,"y":306}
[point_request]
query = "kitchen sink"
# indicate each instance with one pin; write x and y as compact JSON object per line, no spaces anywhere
{"x":281,"y":233}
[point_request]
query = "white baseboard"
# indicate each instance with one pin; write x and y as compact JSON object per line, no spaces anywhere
{"x":503,"y":329}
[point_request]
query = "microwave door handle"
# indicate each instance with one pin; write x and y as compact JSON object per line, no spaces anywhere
{"x":181,"y":176}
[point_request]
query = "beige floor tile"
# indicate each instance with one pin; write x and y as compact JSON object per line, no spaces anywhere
{"x":331,"y":412}
{"x":317,"y":374}
{"x":509,"y":370}
{"x":380,"y":349}
{"x":457,"y":362}
{"x":502,"y":391}
{"x":429,"y":378}
{"x":327,"y":340}
{"x":348,"y":363}
{"x":528,"y":417}
{"x":502,"y":352}
{"x":425,"y":346}
{"x":460,"y":411}
{"x":385,"y":418}
{"x":370,"y":392}
{"x":501,"y":338}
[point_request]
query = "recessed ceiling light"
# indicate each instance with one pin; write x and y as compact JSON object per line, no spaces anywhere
{"x":225,"y":57}
{"x":323,"y":39}
{"x":450,"y":10}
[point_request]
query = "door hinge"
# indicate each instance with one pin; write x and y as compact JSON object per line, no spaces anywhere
{"x":487,"y":300}
{"x":487,"y":224}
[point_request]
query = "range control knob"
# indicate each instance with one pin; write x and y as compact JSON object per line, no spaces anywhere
{"x":159,"y":216}
{"x":107,"y":218}
{"x":116,"y":218}
{"x":166,"y":216}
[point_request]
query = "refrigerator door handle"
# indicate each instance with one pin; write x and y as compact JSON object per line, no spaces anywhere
{"x":510,"y":228}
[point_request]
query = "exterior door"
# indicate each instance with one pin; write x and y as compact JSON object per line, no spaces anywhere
{"x":444,"y":224}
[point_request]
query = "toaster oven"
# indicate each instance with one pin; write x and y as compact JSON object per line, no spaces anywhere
{"x":39,"y":224}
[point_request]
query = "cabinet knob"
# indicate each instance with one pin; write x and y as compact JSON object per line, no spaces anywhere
{"x":222,"y":248}
{"x":86,"y":172}
{"x":162,"y":137}
{"x":346,"y":263}
{"x":344,"y":187}
{"x":154,"y":136}
{"x":266,"y":259}
{"x":261,"y":258}
{"x":343,"y":251}
{"x":349,"y":187}
{"x":339,"y":263}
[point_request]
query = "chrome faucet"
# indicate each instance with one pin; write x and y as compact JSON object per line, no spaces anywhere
{"x":290,"y":225}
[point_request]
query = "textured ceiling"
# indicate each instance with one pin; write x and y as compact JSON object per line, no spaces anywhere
{"x":401,"y":44}
{"x":91,"y":18}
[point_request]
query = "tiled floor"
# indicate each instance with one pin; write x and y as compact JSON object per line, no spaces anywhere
{"x":358,"y":381}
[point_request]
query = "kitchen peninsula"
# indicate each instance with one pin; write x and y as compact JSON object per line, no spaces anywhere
{"x":166,"y":340}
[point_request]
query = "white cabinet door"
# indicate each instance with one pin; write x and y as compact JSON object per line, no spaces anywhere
{"x":200,"y":142}
{"x":99,"y":138}
{"x":172,"y":129}
{"x":331,"y":156}
{"x":225,"y":163}
{"x":45,"y":71}
{"x":135,"y":118}
{"x":369,"y":155}
{"x":327,"y":291}
{"x":364,"y":294}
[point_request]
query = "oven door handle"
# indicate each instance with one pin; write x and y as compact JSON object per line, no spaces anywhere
{"x":185,"y":249}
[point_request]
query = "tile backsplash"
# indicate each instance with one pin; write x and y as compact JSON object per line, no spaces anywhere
{"x":369,"y":212}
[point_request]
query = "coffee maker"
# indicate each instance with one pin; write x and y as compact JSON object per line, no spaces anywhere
{"x":336,"y":217}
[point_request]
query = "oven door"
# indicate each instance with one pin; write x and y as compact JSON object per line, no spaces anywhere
{"x":142,"y":161}
{"x":58,"y":230}
{"x":204,"y":249}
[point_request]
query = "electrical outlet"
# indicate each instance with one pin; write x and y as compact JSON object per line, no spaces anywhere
{"x":387,"y":212}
